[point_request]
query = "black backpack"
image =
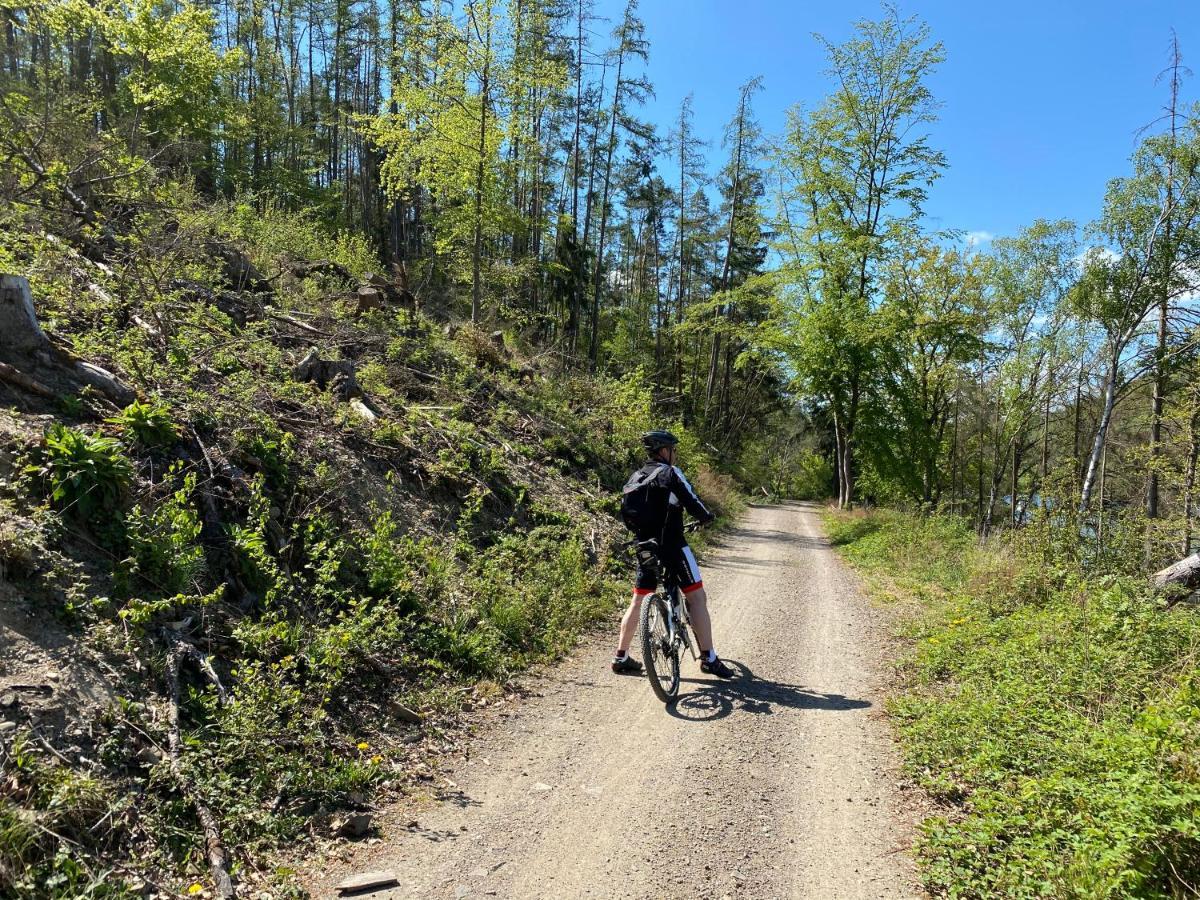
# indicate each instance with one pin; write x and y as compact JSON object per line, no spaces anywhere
{"x":641,"y":511}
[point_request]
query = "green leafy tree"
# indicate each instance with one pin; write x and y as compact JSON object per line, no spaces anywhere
{"x":854,"y":173}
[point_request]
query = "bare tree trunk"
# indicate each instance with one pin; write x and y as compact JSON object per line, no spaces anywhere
{"x":1075,"y":437}
{"x":1189,"y":482}
{"x":1094,"y":460}
{"x":594,"y":353}
{"x":484,"y":99}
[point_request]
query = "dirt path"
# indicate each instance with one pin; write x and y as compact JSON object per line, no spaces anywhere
{"x":778,"y":784}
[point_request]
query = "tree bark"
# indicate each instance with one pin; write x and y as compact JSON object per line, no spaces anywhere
{"x":1110,"y":400}
{"x":19,"y":328}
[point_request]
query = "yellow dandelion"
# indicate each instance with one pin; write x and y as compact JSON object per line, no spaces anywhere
{"x":377,"y":759}
{"x":363,"y":745}
{"x":195,"y":888}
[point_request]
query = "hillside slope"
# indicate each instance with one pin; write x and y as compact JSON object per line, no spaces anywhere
{"x":324,"y":518}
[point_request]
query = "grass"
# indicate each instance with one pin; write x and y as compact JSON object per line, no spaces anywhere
{"x":1052,"y":714}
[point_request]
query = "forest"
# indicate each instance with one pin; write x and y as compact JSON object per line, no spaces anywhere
{"x":466,"y":204}
{"x":494,"y":154}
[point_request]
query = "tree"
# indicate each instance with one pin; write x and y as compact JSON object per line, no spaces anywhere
{"x":934,"y":315}
{"x":742,"y":188}
{"x":631,"y":44}
{"x":1151,"y":244}
{"x":854,"y":174}
{"x":447,"y":137}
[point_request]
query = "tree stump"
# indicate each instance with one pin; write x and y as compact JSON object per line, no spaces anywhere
{"x":19,"y":329}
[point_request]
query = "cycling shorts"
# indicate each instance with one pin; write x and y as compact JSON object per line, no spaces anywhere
{"x":679,"y":566}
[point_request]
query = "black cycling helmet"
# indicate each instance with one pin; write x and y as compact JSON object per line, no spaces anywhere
{"x":655,"y":440}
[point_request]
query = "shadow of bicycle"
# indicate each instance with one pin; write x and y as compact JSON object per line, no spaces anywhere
{"x":749,"y":694}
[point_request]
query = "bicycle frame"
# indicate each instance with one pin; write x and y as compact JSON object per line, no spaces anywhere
{"x":677,"y":606}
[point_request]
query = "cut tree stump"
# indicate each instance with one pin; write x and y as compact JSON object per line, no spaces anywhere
{"x":32,"y":363}
{"x":325,"y":372}
{"x":19,"y":329}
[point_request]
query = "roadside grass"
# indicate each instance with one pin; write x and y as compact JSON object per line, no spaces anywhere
{"x":1053,"y":714}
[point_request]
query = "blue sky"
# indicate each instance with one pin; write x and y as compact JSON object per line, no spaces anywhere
{"x":1041,"y":101}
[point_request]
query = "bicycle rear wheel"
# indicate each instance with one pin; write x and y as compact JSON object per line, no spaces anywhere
{"x":660,"y":653}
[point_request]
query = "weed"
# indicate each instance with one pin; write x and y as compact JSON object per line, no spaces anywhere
{"x":163,"y":541}
{"x":85,"y":473}
{"x":147,"y":425}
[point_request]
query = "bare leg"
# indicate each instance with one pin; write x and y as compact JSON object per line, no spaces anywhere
{"x":629,"y":623}
{"x":697,"y":602}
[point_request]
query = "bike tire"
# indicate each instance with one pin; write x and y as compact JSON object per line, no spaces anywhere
{"x":659,"y":654}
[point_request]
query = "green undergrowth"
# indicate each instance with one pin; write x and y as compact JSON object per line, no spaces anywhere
{"x":338,"y":572}
{"x":1053,"y":713}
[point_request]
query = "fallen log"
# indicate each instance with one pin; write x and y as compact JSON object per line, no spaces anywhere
{"x":296,"y":323}
{"x":1180,"y":579}
{"x":16,"y":377}
{"x":218,"y":862}
{"x":320,"y":267}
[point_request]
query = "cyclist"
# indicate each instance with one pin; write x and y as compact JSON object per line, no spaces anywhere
{"x":668,"y":494}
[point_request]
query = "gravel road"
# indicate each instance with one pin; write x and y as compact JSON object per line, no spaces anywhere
{"x":780,"y":783}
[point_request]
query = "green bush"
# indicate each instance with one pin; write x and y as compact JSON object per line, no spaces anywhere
{"x":1056,"y":713}
{"x":163,"y":541}
{"x":148,"y":425}
{"x":85,"y":473}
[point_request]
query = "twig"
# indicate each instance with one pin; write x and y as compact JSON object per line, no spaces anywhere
{"x":296,"y":323}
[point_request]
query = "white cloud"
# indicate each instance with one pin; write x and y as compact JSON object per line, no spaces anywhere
{"x":1105,"y":253}
{"x":975,"y":238}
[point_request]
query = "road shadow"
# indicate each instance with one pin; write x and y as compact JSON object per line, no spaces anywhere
{"x":716,"y":699}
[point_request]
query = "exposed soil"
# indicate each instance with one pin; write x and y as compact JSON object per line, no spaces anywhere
{"x":780,"y":783}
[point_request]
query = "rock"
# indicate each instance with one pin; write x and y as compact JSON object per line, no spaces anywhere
{"x":367,"y":881}
{"x":19,"y":329}
{"x":7,"y":727}
{"x":8,"y":701}
{"x":542,"y":786}
{"x":354,"y":826}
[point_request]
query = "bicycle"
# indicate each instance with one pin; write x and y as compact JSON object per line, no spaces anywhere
{"x":664,"y":624}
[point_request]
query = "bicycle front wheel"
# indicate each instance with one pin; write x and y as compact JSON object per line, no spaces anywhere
{"x":660,"y":653}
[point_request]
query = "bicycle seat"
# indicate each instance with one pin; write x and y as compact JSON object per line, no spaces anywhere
{"x":647,"y":553}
